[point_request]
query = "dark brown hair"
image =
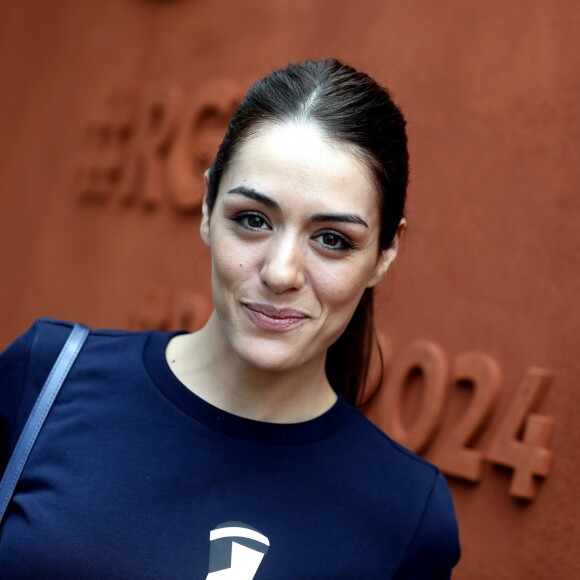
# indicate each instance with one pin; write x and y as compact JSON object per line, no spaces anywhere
{"x":354,"y":111}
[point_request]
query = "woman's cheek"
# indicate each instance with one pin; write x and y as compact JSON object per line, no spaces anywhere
{"x":234,"y":261}
{"x":345,"y":277}
{"x":336,"y":288}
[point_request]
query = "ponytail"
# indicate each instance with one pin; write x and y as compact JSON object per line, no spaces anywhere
{"x":348,"y":359}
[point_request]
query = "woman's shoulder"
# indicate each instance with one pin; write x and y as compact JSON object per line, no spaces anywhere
{"x":413,"y":494}
{"x":30,"y":354}
{"x":33,"y":353}
{"x":26,"y":363}
{"x":366,"y":450}
{"x":373,"y":441}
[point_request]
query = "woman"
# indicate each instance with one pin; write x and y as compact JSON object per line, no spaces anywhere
{"x":232,"y":452}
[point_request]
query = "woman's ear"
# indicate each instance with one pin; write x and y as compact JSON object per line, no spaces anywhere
{"x":388,"y":256}
{"x":204,"y":225}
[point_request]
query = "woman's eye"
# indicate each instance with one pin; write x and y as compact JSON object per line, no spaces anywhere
{"x":334,"y":241}
{"x":255,"y":221}
{"x":251,"y":221}
{"x":330,"y":240}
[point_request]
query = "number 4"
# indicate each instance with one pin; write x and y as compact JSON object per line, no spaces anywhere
{"x":529,"y":456}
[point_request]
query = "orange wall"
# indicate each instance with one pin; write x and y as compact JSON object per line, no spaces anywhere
{"x":94,"y":89}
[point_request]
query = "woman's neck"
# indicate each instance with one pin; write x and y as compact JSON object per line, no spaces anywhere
{"x":206,"y":365}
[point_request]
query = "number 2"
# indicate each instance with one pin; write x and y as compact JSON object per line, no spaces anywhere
{"x":452,"y":454}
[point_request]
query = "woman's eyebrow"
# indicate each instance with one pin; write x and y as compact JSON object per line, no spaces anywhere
{"x":253,"y":194}
{"x":348,"y":218}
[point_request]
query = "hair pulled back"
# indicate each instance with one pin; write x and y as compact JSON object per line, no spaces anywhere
{"x":353,"y":111}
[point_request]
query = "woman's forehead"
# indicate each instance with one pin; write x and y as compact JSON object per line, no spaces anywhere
{"x":298,"y":163}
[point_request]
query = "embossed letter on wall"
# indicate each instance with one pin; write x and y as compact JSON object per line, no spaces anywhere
{"x":153,"y":145}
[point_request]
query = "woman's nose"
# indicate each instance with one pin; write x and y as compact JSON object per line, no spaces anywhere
{"x":283,"y":267}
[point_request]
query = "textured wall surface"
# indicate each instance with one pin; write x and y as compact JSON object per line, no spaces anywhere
{"x":110,"y":109}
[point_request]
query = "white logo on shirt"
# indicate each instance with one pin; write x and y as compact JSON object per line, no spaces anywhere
{"x":236,"y":551}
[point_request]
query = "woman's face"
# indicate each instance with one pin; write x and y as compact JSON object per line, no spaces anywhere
{"x":294,"y":243}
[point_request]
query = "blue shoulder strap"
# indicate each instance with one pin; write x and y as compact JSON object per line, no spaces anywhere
{"x":37,"y":416}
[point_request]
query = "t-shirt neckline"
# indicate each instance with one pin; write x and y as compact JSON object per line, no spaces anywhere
{"x":227,"y":423}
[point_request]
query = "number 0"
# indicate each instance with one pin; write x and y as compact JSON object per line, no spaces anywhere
{"x":430,"y":360}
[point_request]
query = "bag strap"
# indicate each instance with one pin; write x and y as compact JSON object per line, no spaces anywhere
{"x":37,"y":416}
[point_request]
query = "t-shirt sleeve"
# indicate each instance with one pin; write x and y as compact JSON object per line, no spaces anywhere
{"x":435,"y":548}
{"x":24,"y":367}
{"x":13,"y":366}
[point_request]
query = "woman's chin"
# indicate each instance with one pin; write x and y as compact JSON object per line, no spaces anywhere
{"x":271,"y":357}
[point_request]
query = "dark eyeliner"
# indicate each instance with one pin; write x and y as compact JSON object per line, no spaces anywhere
{"x":240,"y":216}
{"x":346,"y":243}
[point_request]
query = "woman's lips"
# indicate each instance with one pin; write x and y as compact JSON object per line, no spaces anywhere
{"x":273,"y":319}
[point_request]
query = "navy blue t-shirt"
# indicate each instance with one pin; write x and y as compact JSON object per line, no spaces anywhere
{"x":134,"y":476}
